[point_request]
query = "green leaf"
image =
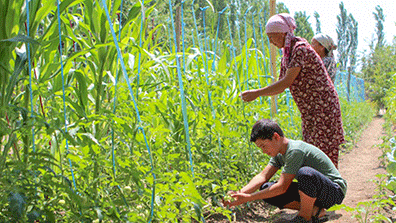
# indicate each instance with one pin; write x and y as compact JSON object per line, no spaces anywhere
{"x":21,"y":38}
{"x":92,"y":138}
{"x":134,"y":11}
{"x":391,"y":168}
{"x":99,"y":214}
{"x":198,"y":210}
{"x":33,"y":216}
{"x":391,"y":185}
{"x":77,"y":108}
{"x":82,"y":92}
{"x":16,"y":205}
{"x":13,"y":81}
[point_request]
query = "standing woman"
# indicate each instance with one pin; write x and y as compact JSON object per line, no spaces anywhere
{"x":324,"y":46}
{"x":303,"y":72}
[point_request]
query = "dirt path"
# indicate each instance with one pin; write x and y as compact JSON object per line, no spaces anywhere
{"x":359,"y":167}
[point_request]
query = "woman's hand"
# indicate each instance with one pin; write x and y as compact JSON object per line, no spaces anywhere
{"x":249,"y":95}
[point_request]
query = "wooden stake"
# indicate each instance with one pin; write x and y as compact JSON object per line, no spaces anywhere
{"x":273,"y":53}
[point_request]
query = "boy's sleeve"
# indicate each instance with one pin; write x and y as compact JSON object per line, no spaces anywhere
{"x":294,"y":161}
{"x":275,"y":163}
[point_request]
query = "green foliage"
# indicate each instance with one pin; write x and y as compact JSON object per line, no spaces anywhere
{"x":355,"y":115}
{"x":347,"y":32}
{"x":304,"y":28}
{"x":372,"y":210}
{"x":317,"y":16}
{"x":378,"y":70}
{"x":70,"y":175}
{"x":367,"y":211}
{"x":390,"y":102}
{"x":389,"y":145}
{"x":352,"y":42}
{"x":99,"y":190}
{"x":32,"y":192}
{"x":380,"y":18}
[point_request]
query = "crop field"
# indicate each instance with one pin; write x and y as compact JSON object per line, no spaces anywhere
{"x":120,"y":115}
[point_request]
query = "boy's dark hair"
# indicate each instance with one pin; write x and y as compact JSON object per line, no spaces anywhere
{"x":265,"y":129}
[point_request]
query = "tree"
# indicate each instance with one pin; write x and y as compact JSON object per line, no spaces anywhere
{"x":281,"y":8}
{"x":380,"y":18}
{"x":318,"y":29}
{"x":304,"y":28}
{"x":342,"y":35}
{"x":352,"y":36}
{"x":347,"y":31}
{"x":378,"y":68}
{"x":379,"y":65}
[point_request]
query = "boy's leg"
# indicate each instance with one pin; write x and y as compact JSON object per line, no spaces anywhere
{"x":306,"y":206}
{"x":296,"y":205}
{"x":316,"y":185}
{"x":290,"y":199}
{"x":316,"y":192}
{"x":313,"y":192}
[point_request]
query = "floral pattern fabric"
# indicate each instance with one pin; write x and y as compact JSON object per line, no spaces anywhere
{"x":316,"y":97}
{"x":331,"y":67}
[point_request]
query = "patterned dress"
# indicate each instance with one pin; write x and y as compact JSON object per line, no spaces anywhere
{"x":316,"y":98}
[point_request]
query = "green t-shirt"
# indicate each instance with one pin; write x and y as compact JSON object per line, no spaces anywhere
{"x":300,"y":154}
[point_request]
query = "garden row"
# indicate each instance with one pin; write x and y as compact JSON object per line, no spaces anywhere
{"x":104,"y":122}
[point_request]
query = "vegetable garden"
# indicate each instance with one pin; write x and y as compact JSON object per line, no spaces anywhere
{"x":106,"y":115}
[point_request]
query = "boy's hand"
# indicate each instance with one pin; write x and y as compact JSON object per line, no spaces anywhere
{"x":237,"y":198}
{"x":227,"y":199}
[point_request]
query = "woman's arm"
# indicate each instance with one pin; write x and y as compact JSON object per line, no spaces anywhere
{"x":273,"y":89}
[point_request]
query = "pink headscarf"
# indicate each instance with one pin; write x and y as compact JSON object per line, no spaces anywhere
{"x":282,"y":23}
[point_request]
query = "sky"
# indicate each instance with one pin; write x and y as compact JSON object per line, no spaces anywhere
{"x":362,"y":11}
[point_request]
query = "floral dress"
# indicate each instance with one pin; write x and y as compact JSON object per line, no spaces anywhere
{"x":316,"y":98}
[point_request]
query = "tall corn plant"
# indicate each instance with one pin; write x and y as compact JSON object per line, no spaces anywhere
{"x":27,"y":183}
{"x":12,"y":63}
{"x":91,"y":74}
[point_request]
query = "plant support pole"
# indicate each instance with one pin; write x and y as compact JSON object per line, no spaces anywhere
{"x":273,"y":60}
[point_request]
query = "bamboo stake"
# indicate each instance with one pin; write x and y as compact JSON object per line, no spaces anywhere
{"x":273,"y":60}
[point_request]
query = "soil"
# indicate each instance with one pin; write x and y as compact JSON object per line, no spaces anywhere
{"x":358,"y":167}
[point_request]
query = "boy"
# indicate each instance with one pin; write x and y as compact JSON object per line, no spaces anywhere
{"x":319,"y":185}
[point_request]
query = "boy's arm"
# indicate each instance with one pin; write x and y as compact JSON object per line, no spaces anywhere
{"x":276,"y":189}
{"x":259,"y":179}
{"x":254,"y":184}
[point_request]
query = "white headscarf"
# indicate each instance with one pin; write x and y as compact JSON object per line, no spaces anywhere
{"x":327,"y":42}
